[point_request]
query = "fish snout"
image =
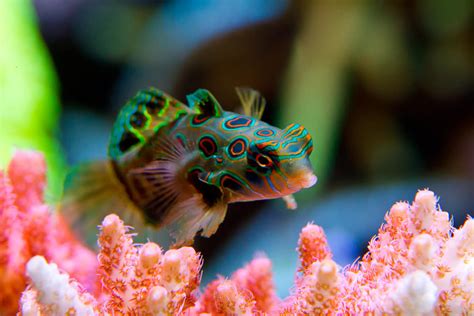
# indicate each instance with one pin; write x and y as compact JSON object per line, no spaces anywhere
{"x":308,"y":180}
{"x":302,"y":180}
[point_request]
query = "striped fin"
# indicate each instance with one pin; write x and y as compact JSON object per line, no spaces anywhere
{"x":252,"y":102}
{"x":167,"y":201}
{"x":141,"y":118}
{"x":166,"y":205}
{"x":155,"y":188}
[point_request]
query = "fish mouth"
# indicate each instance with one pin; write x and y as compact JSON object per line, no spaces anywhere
{"x":303,"y":180}
{"x":308,"y":180}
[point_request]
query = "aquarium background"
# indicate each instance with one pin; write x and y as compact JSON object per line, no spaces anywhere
{"x":385,"y":88}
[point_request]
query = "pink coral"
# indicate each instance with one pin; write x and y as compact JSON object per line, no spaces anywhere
{"x":411,"y":269}
{"x":312,"y":246}
{"x":417,"y":264}
{"x":28,"y":228}
{"x":136,"y":279}
{"x":256,"y":278}
{"x":249,"y":291}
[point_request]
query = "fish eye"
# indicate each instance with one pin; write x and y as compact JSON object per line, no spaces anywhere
{"x":263,"y":161}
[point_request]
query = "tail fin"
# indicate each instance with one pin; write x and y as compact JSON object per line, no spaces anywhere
{"x":93,"y":191}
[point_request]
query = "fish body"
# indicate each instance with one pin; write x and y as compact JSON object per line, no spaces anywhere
{"x":179,"y":166}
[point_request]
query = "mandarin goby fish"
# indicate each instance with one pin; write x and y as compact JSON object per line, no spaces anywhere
{"x":178,"y":166}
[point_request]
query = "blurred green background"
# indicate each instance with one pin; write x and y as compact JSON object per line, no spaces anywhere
{"x":385,"y":88}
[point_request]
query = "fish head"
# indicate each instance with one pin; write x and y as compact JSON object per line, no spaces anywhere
{"x":295,"y":148}
{"x":277,"y":163}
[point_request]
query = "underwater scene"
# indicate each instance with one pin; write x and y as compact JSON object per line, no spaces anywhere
{"x":241,"y":157}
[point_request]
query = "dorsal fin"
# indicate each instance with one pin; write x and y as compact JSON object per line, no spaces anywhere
{"x":204,"y":102}
{"x":141,"y":118}
{"x":252,"y":102}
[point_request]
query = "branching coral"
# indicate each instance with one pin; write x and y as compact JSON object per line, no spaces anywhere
{"x":27,"y":228}
{"x":136,"y":280}
{"x":142,"y":280}
{"x":417,"y":265}
{"x":249,"y":291}
{"x":53,"y":293}
{"x":416,"y":251}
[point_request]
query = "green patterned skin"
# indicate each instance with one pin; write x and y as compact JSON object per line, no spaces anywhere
{"x":223,"y":155}
{"x":142,"y":117}
{"x":247,"y":158}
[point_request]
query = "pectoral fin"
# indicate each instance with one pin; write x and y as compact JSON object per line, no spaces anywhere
{"x":156,"y":187}
{"x":166,"y":205}
{"x":167,"y":199}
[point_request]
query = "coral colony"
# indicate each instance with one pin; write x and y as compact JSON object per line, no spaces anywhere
{"x":417,"y":265}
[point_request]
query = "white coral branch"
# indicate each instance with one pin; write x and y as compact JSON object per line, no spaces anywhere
{"x":415,"y":294}
{"x":54,"y":291}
